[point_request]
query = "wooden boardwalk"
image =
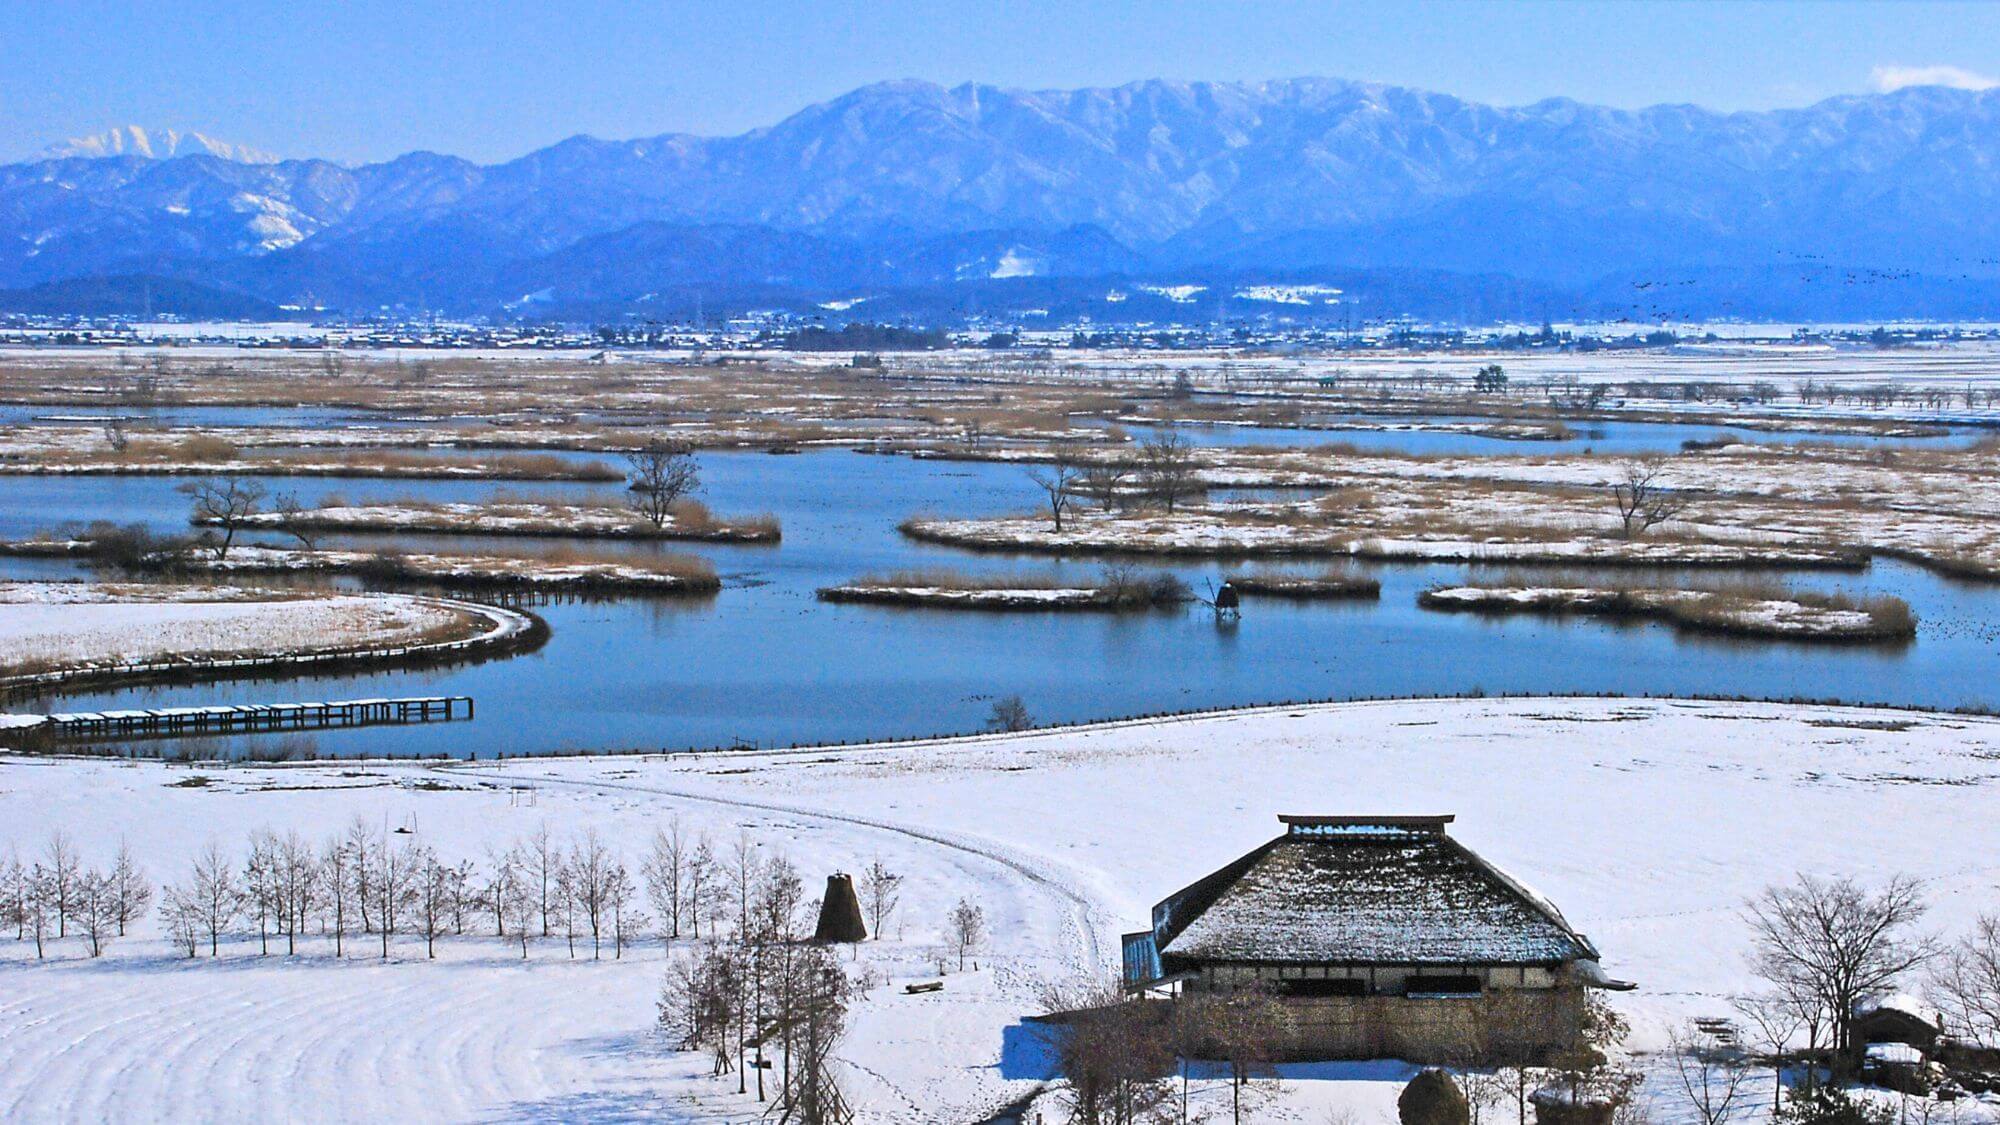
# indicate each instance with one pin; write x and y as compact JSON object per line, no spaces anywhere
{"x":249,"y":718}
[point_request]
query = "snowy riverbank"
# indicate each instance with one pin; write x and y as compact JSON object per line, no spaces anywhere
{"x":520,"y":518}
{"x":1648,"y":822}
{"x":58,"y":632}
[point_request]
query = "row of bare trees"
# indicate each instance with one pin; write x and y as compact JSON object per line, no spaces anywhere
{"x":1163,"y":472}
{"x":370,"y":883}
{"x":54,"y":893}
{"x":376,"y":885}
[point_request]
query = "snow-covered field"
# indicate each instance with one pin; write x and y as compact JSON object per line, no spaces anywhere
{"x":56,"y":624}
{"x":1647,"y":822}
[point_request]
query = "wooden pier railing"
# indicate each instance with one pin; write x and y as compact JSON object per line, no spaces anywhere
{"x":247,"y":718}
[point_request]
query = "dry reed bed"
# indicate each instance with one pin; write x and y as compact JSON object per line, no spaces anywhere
{"x":1116,"y":589}
{"x":1812,"y":505}
{"x":1326,"y":585}
{"x":1261,"y":390}
{"x":1768,"y":611}
{"x":207,"y":455}
{"x":1225,"y":533}
{"x":690,"y":520}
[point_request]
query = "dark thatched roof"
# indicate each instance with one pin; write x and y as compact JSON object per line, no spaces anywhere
{"x":1363,"y":891}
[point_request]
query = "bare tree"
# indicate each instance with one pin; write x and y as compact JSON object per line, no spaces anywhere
{"x":1009,"y":714}
{"x":296,"y":875}
{"x":38,"y":909}
{"x":1777,"y":1020}
{"x":1112,"y":1052}
{"x":394,"y":878}
{"x":430,"y":897}
{"x":881,"y":889}
{"x":62,"y":870}
{"x":810,"y":1094}
{"x":14,"y":894}
{"x":336,"y":860}
{"x":968,"y":929}
{"x":1059,"y":481}
{"x":1643,"y":502}
{"x":544,"y":863}
{"x":362,"y":844}
{"x":1836,"y":942}
{"x":626,"y":919}
{"x":702,"y":879}
{"x":744,"y":867}
{"x":663,"y":871}
{"x":1966,"y":984}
{"x":589,"y":868}
{"x":96,"y":910}
{"x":211,"y":894}
{"x":260,"y":885}
{"x":1246,"y":1028}
{"x":517,"y":904}
{"x":181,"y":919}
{"x":1167,"y":468}
{"x":1104,"y":480}
{"x":224,"y":504}
{"x":295,"y":520}
{"x":130,"y":892}
{"x":1711,"y":1076}
{"x":660,"y":474}
{"x":699,"y":1003}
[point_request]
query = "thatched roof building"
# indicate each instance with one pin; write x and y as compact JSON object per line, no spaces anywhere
{"x":1375,"y":918}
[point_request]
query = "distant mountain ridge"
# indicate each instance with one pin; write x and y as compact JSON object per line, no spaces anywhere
{"x":910,"y":185}
{"x":154,"y":144}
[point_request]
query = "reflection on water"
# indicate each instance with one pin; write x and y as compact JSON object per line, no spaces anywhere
{"x":765,"y":663}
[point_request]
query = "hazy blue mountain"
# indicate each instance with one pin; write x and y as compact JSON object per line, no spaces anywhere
{"x":908,"y":184}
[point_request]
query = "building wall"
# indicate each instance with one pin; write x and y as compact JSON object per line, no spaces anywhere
{"x":1521,"y":1017}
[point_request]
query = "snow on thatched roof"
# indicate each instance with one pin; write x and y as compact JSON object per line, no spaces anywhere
{"x":1898,"y":1004}
{"x":1364,"y":890}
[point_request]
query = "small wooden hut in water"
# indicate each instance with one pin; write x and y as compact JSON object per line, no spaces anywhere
{"x":1382,"y":937}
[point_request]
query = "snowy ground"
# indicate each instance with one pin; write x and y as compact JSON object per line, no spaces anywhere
{"x":51,"y":624}
{"x":1647,"y":822}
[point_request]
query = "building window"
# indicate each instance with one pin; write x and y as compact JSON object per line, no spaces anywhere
{"x":1441,"y":986}
{"x":1325,"y":986}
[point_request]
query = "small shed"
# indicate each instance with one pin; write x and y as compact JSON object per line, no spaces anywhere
{"x":1897,"y":1018}
{"x":840,"y":912}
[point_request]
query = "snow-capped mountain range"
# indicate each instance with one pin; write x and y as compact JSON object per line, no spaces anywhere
{"x":155,"y":144}
{"x":909,"y":184}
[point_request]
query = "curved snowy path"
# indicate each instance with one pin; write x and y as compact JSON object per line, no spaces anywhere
{"x":1030,"y":902}
{"x":1081,"y":930}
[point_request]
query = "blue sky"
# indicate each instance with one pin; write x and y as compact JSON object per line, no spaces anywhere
{"x":368,"y":79}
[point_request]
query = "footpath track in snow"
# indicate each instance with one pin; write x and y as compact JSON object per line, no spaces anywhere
{"x":1084,"y":913}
